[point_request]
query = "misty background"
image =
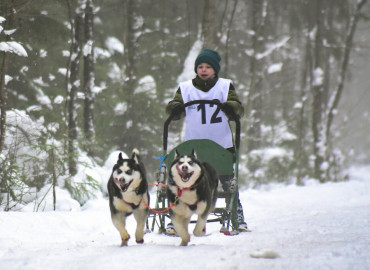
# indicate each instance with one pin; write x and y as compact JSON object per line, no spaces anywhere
{"x":81,"y":79}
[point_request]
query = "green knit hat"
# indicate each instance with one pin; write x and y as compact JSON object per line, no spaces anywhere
{"x":210,"y":57}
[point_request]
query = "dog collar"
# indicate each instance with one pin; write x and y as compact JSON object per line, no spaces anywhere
{"x":180,"y":190}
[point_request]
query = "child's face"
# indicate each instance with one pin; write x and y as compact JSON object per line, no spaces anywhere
{"x":205,"y":71}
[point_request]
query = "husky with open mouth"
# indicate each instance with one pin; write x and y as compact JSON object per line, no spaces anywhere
{"x":128,"y":193}
{"x":192,"y":188}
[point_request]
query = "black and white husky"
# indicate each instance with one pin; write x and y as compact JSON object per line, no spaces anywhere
{"x":128,"y":193}
{"x":192,"y":188}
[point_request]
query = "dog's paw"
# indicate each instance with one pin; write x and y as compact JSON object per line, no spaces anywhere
{"x":198,"y":232}
{"x":200,"y":229}
{"x":185,"y":239}
{"x":124,"y":243}
{"x":125,"y":240}
{"x":183,"y":243}
{"x":140,"y":241}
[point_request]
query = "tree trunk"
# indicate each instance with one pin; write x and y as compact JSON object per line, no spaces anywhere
{"x":317,"y":92}
{"x":208,"y":24}
{"x":335,"y":98}
{"x":54,"y":177}
{"x":4,"y":67}
{"x":128,"y":136}
{"x":89,"y":78}
{"x":3,"y":101}
{"x":254,"y":103}
{"x":226,"y":65}
{"x":74,"y":86}
{"x":299,"y":151}
{"x":130,"y":49}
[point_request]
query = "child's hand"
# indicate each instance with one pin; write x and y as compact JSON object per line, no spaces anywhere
{"x":228,"y":110}
{"x":178,"y":108}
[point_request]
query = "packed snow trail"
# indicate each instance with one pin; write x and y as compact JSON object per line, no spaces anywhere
{"x":317,"y":226}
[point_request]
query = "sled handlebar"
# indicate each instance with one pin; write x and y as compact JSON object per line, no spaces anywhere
{"x":210,"y":102}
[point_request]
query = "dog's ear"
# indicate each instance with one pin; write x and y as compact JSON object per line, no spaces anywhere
{"x":193,"y":153}
{"x":176,"y":154}
{"x":120,"y":157}
{"x":136,"y":156}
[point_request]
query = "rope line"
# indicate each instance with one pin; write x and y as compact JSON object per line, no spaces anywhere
{"x":161,"y":211}
{"x":153,"y":184}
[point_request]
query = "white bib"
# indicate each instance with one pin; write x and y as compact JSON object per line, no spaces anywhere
{"x":206,"y":121}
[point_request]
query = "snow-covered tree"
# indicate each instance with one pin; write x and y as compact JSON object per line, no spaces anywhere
{"x":7,"y":47}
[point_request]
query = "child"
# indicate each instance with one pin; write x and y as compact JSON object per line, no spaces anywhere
{"x":208,"y":86}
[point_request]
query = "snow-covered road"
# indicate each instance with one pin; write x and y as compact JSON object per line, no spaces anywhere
{"x":318,"y":226}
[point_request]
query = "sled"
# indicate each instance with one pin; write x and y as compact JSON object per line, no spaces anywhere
{"x":225,"y":163}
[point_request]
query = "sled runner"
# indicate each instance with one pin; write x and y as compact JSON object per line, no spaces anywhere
{"x":226,"y":164}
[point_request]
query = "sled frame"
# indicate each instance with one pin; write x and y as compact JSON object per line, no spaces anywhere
{"x":224,"y":162}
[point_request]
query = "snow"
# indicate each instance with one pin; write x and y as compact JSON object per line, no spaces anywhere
{"x":114,"y":45}
{"x":43,"y":53}
{"x":269,"y":153}
{"x":62,"y":71}
{"x":120,"y":108}
{"x":13,"y":47}
{"x":188,"y":70}
{"x":272,"y":47}
{"x":58,"y":99}
{"x":147,"y":85}
{"x":112,"y":159}
{"x":9,"y":32}
{"x":318,"y":77}
{"x":88,"y":48}
{"x":298,"y":105}
{"x":8,"y":79}
{"x":316,"y":226}
{"x":274,"y":68}
{"x":44,"y":202}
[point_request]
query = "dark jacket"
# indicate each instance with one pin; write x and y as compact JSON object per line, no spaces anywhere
{"x":232,"y":98}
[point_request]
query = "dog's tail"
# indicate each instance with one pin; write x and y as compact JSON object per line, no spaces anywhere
{"x":136,"y":155}
{"x":137,"y":158}
{"x":136,"y":151}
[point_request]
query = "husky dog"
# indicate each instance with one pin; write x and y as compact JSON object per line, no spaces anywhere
{"x":192,"y":188}
{"x":128,"y":193}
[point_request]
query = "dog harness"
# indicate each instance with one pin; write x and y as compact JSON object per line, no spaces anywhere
{"x":179,"y":193}
{"x":133,"y":206}
{"x":207,"y":121}
{"x":180,"y":190}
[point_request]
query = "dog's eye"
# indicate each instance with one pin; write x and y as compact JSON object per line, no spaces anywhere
{"x":190,"y":163}
{"x":129,"y":172}
{"x":180,"y":162}
{"x":119,"y":171}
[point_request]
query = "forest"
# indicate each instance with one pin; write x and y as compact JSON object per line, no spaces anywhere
{"x":82,"y":78}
